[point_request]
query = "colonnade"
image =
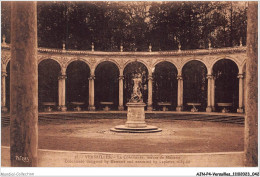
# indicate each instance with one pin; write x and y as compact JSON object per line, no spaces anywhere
{"x":91,"y":107}
{"x":24,"y":115}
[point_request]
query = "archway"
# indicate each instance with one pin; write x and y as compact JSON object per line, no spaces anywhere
{"x":129,"y":72}
{"x":194,"y":85}
{"x":225,"y":72}
{"x":165,"y":84}
{"x":106,"y":84}
{"x":48,"y":73}
{"x":77,"y":84}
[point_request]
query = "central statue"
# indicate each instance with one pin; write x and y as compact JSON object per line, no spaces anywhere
{"x":137,"y":96}
{"x":135,"y":122}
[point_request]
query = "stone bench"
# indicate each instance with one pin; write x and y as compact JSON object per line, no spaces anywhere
{"x":106,"y":104}
{"x":48,"y":106}
{"x":224,"y":105}
{"x":164,"y":105}
{"x":194,"y":109}
{"x":77,"y":104}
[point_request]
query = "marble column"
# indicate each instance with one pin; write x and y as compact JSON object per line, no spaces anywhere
{"x":150,"y":93}
{"x":62,"y":92}
{"x":213,"y":93}
{"x":3,"y":93}
{"x":121,"y":94}
{"x":209,"y":98}
{"x":241,"y":94}
{"x":24,"y":85}
{"x":251,"y":102}
{"x":180,"y":93}
{"x":91,"y":106}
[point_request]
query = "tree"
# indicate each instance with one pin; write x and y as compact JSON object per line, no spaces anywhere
{"x":135,"y":25}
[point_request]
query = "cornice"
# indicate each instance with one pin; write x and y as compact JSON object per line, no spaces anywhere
{"x":214,"y":51}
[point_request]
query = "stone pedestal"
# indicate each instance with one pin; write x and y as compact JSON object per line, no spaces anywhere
{"x":62,"y":108}
{"x":91,"y":108}
{"x":240,"y":110}
{"x":149,"y":108}
{"x":179,"y":108}
{"x":120,"y":108}
{"x":135,"y":115}
{"x":135,"y":120}
{"x":209,"y":109}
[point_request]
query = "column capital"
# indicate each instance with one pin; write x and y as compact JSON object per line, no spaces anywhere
{"x":91,"y":77}
{"x":62,"y":77}
{"x":240,"y":76}
{"x":179,"y":77}
{"x":121,"y":77}
{"x":150,"y":77}
{"x":4,"y":74}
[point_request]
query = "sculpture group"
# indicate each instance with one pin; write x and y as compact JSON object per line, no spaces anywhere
{"x":135,"y":112}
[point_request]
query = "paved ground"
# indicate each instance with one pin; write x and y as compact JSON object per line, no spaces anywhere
{"x":92,"y":134}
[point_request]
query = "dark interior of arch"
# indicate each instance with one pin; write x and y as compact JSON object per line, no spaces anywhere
{"x":130,"y":70}
{"x":77,"y":84}
{"x":226,"y":83}
{"x":165,"y":84}
{"x":7,"y":86}
{"x":106,"y":84}
{"x":195,"y":84}
{"x":48,"y":73}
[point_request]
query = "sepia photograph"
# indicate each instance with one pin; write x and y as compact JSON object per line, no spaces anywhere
{"x":129,"y":84}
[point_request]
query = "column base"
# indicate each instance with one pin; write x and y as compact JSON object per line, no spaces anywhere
{"x":4,"y":109}
{"x":179,"y":108}
{"x":240,"y":110}
{"x":149,"y":108}
{"x":209,"y":109}
{"x":91,"y":108}
{"x":62,"y":108}
{"x":120,"y":108}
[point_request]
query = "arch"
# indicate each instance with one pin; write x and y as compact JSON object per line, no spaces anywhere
{"x":222,"y":58}
{"x":237,"y":66}
{"x":77,"y":59}
{"x":106,"y":60}
{"x":195,"y":84}
{"x":225,"y":72}
{"x":49,"y":58}
{"x":140,"y":61}
{"x":165,"y":84}
{"x":190,"y":60}
{"x":106,"y":84}
{"x":77,"y":84}
{"x":44,"y":59}
{"x":164,"y":60}
{"x":48,"y":73}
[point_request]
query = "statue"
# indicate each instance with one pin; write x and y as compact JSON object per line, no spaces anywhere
{"x":137,"y":95}
{"x":135,"y":122}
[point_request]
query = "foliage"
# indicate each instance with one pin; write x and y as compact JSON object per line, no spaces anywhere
{"x":135,"y":25}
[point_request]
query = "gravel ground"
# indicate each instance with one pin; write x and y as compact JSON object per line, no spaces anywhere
{"x":178,"y":136}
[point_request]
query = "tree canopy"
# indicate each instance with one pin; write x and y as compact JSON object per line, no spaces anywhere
{"x":136,"y":25}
